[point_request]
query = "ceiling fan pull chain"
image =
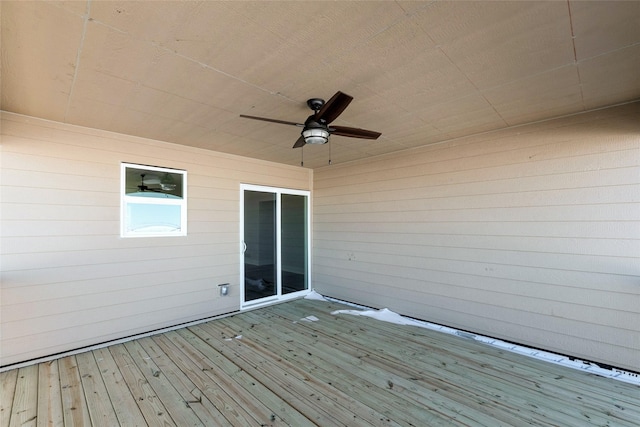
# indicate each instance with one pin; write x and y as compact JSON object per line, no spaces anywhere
{"x":329,"y":152}
{"x":302,"y":156}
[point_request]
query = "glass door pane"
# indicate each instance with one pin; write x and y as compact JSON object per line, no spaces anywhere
{"x":294,"y":243}
{"x":260,"y":262}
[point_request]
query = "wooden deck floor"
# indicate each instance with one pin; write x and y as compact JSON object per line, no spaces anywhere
{"x":268,"y":367}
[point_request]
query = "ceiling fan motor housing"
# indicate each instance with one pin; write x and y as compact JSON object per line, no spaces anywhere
{"x":313,"y":123}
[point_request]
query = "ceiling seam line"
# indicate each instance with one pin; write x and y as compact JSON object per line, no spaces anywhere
{"x":575,"y":54}
{"x":478,"y":90}
{"x":86,"y":19}
{"x":217,"y":70}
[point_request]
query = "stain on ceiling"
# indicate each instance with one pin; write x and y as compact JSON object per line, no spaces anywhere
{"x":420,"y":72}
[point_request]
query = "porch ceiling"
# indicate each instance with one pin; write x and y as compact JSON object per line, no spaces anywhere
{"x":420,"y":71}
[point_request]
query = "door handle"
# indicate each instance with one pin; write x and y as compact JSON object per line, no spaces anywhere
{"x":244,"y":247}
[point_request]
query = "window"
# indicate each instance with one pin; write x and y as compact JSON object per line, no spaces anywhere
{"x":154,"y":201}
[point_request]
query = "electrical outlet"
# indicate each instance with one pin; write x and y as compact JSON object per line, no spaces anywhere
{"x":224,"y":289}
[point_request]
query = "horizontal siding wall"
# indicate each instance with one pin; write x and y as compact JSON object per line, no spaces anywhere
{"x":530,"y":235}
{"x":68,"y":279}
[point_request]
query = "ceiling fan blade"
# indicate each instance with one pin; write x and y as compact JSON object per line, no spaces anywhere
{"x":282,"y":122}
{"x":299,"y":143}
{"x":354,"y":132}
{"x":334,"y":107}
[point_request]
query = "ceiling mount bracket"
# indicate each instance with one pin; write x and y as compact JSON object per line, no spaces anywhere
{"x":315,"y":104}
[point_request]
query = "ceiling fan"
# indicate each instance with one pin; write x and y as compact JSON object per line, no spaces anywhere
{"x":142,"y":188}
{"x":166,"y":184}
{"x":316,"y":129}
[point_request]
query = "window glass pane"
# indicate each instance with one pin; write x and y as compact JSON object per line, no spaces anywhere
{"x":153,"y":183}
{"x":294,"y":243}
{"x":260,"y":239}
{"x":153,"y":218}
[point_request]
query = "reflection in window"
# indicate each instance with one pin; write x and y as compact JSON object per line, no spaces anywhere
{"x":153,"y":201}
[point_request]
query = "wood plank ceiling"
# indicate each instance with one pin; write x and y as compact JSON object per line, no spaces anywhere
{"x":421,"y":72}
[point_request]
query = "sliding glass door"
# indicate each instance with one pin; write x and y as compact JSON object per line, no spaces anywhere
{"x":275,"y":244}
{"x":260,"y":245}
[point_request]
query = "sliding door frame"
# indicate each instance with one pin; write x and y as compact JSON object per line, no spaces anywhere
{"x":279,"y":296}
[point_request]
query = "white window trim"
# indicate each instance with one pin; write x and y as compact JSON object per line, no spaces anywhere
{"x":125,"y":200}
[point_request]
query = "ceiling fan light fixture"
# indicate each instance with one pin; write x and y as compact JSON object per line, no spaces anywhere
{"x":315,"y":135}
{"x":167,"y":183}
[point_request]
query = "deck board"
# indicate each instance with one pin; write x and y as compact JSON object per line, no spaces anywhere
{"x":292,"y":388}
{"x":223,"y":372}
{"x":211,"y":381}
{"x":469,"y":402}
{"x":102,"y":413}
{"x":486,"y":371}
{"x":8,"y":382}
{"x":272,"y":366}
{"x":25,"y":407}
{"x":49,"y":395}
{"x":124,"y":403}
{"x":74,"y":405}
{"x":180,"y":378}
{"x":376,"y":386}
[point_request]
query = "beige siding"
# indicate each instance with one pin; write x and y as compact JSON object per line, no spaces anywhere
{"x":68,"y":279}
{"x":530,"y":235}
